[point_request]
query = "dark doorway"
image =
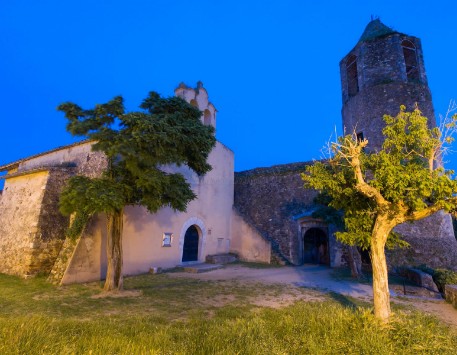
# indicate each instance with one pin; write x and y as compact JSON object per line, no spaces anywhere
{"x":315,"y":247}
{"x":190,"y":249}
{"x":365,"y":256}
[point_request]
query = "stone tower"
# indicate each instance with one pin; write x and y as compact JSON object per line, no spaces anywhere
{"x":384,"y":70}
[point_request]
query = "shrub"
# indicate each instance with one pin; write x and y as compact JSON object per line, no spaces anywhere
{"x":443,"y":277}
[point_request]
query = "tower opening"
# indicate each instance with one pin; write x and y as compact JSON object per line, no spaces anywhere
{"x":352,"y":75}
{"x":194,"y":103}
{"x":207,"y":117}
{"x":410,"y":55}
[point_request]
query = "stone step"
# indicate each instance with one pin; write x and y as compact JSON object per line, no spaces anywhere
{"x":221,"y":259}
{"x":199,"y":268}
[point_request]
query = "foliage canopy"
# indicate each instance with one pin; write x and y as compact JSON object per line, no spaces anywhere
{"x":138,"y":145}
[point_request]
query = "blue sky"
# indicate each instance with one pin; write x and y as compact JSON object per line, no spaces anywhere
{"x":270,"y":67}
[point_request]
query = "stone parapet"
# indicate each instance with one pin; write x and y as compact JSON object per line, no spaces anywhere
{"x":420,"y":278}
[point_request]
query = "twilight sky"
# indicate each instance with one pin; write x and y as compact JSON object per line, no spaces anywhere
{"x":270,"y":67}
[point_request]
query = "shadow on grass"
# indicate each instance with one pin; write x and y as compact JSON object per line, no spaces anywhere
{"x":344,"y":274}
{"x":343,"y":300}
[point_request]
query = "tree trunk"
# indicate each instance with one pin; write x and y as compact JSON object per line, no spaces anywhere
{"x":355,"y":261}
{"x":114,"y":279}
{"x":381,"y":296}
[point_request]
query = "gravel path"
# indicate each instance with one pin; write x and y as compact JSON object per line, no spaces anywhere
{"x":319,"y":277}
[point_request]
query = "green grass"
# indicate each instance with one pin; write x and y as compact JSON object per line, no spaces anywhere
{"x":171,"y":315}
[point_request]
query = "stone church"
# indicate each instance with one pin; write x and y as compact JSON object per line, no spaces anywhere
{"x":262,"y":215}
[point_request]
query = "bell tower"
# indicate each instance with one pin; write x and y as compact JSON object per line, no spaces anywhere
{"x":384,"y":70}
{"x":198,"y":97}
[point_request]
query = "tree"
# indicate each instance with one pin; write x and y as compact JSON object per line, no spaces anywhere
{"x":137,"y":145}
{"x":403,"y":182}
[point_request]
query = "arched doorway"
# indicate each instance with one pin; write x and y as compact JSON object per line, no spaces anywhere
{"x":315,"y":247}
{"x":190,"y":248}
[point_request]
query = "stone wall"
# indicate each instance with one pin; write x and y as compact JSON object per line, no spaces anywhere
{"x":20,"y":209}
{"x":52,"y":224}
{"x":432,"y":242}
{"x":365,"y":111}
{"x":32,"y":230}
{"x":270,"y":198}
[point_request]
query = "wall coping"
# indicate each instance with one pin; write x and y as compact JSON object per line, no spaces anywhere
{"x":17,"y":162}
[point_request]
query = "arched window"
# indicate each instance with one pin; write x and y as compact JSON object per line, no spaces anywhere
{"x":410,"y":54}
{"x":194,"y":103}
{"x":352,"y":75}
{"x":207,"y":117}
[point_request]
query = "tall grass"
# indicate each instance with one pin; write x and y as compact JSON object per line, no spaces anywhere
{"x":44,"y":325}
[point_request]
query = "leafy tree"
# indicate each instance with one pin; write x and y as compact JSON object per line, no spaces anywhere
{"x":403,"y":182}
{"x":137,"y":145}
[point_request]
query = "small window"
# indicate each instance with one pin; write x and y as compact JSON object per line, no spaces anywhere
{"x":352,"y":75}
{"x":360,"y":137}
{"x":410,"y":55}
{"x":167,"y":239}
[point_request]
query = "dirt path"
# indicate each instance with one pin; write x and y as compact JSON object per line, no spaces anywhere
{"x":318,"y":277}
{"x":438,"y":308}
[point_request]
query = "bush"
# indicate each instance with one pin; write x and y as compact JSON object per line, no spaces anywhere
{"x":443,"y":277}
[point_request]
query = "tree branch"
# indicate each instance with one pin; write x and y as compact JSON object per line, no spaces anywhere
{"x":427,"y":211}
{"x":353,"y":150}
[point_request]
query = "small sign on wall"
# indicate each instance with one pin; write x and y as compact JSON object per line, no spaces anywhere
{"x":167,"y":239}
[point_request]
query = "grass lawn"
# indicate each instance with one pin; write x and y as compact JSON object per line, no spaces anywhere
{"x":159,"y":314}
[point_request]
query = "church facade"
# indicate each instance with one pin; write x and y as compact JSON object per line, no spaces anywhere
{"x":262,"y":215}
{"x":32,"y":231}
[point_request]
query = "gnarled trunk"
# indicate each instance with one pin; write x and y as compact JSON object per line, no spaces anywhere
{"x":381,"y":296}
{"x":114,"y":279}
